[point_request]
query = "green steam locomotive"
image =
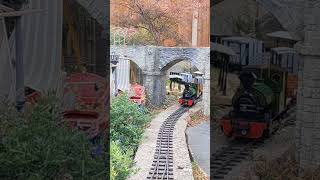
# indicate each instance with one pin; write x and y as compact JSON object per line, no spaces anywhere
{"x":260,"y":99}
{"x":193,"y":87}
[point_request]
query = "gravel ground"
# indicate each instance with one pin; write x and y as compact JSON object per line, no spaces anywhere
{"x":146,"y":150}
{"x":182,"y":167}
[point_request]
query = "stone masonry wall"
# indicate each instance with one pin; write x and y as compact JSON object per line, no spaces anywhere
{"x":206,"y":88}
{"x":308,"y":112}
{"x":308,"y":106}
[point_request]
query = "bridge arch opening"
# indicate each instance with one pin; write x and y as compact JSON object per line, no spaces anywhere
{"x":178,"y":65}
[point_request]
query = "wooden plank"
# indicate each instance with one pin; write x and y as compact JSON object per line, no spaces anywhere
{"x":20,"y":13}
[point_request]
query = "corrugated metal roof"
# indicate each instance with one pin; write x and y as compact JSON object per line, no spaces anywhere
{"x":42,"y":43}
{"x":98,"y":10}
{"x":222,"y":49}
{"x":282,"y":35}
{"x":7,"y":77}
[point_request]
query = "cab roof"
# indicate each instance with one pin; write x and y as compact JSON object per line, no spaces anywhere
{"x":222,"y":49}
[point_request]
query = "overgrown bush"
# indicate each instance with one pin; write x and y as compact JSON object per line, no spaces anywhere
{"x":127,"y":121}
{"x":35,"y":145}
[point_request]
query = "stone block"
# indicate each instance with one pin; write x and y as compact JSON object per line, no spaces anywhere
{"x":307,"y":135}
{"x":313,"y":109}
{"x":311,"y":101}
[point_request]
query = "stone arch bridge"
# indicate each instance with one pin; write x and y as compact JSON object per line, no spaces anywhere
{"x":154,"y":61}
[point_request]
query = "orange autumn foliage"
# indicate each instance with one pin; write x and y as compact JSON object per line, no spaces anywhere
{"x":172,"y":19}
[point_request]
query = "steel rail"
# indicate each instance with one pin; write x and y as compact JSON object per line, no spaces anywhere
{"x":162,"y":166}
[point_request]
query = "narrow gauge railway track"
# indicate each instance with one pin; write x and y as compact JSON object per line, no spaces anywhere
{"x":162,"y":166}
{"x":233,"y":154}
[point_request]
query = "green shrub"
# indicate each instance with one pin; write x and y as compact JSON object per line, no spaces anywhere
{"x":120,"y":162}
{"x":127,"y":122}
{"x":35,"y":145}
